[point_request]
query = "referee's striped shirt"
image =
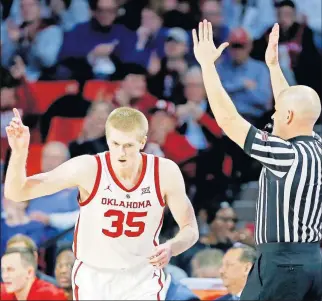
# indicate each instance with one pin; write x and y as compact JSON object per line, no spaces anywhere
{"x":289,"y":206}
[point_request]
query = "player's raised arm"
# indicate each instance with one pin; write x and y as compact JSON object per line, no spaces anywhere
{"x":224,"y":110}
{"x":172,"y":182}
{"x":18,"y":187}
{"x":278,"y":79}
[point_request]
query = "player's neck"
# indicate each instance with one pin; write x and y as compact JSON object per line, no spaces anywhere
{"x":24,"y":292}
{"x":132,"y":172}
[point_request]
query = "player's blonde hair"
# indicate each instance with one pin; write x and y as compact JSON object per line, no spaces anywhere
{"x":127,"y":119}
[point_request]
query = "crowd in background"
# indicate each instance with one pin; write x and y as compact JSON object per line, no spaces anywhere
{"x":139,"y":53}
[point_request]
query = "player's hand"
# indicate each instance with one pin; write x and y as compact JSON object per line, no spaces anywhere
{"x":18,"y":134}
{"x":161,"y":256}
{"x":271,"y":55}
{"x":203,"y":45}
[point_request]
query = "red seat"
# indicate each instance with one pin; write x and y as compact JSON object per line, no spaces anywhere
{"x":93,"y":87}
{"x":34,"y":159}
{"x":65,"y":129}
{"x":4,"y":148}
{"x":43,"y":93}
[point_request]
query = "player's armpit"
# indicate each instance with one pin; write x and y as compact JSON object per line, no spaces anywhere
{"x":67,"y":175}
{"x":236,"y":128}
{"x":172,"y":183}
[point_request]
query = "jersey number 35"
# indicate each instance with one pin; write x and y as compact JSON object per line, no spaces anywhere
{"x":130,"y":220}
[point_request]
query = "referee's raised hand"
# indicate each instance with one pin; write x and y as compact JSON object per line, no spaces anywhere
{"x":271,"y":54}
{"x":203,"y":44}
{"x":18,"y":134}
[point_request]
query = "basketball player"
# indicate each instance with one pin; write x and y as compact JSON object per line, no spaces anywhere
{"x":122,"y":197}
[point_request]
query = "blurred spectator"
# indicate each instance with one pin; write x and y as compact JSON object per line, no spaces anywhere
{"x":236,"y":265}
{"x":194,"y":116}
{"x":9,"y":100}
{"x":25,"y":242}
{"x":129,"y":13}
{"x":36,"y":40}
{"x":163,"y":137}
{"x":53,"y":155}
{"x":150,"y":38}
{"x":248,"y":84}
{"x":178,"y":291}
{"x":61,"y":221}
{"x":133,"y":89}
{"x":15,"y":220}
{"x":212,"y":11}
{"x":72,"y":105}
{"x":96,"y":48}
{"x":312,"y":16}
{"x":203,"y":226}
{"x":69,"y":13}
{"x":222,"y":221}
{"x":255,"y":16}
{"x":180,"y":13}
{"x":206,"y":263}
{"x":166,"y":83}
{"x":198,"y":125}
{"x":12,"y":10}
{"x":245,"y":79}
{"x":296,"y":48}
{"x":92,"y":139}
{"x":18,"y":267}
{"x":65,"y":259}
{"x":175,"y":272}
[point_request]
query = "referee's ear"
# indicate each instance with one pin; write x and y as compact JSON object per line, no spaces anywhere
{"x":290,"y":117}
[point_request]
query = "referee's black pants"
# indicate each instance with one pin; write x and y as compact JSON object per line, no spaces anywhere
{"x":285,"y":271}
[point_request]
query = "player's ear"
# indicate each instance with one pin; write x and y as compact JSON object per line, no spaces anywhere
{"x":143,"y":142}
{"x":290,"y":116}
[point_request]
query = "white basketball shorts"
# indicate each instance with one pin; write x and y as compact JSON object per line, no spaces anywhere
{"x":139,"y":283}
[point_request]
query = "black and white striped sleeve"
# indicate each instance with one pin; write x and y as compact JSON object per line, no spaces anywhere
{"x":273,"y":152}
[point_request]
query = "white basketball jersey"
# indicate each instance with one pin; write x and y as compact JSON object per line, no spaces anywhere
{"x":118,"y":228}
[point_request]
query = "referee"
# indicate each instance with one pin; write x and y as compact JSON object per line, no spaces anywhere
{"x":289,"y":206}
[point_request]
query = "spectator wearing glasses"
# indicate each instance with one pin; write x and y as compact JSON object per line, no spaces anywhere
{"x":222,"y":222}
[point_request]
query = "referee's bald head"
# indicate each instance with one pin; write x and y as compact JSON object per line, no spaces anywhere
{"x":297,"y":110}
{"x":304,"y":101}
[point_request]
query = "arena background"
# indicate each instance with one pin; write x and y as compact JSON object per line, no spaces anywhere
{"x":79,"y":60}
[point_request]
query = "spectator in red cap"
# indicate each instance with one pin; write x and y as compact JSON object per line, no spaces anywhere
{"x":163,"y":139}
{"x":245,"y":79}
{"x":247,"y":82}
{"x":133,"y":89}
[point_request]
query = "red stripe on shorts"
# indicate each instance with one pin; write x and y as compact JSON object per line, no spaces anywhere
{"x":76,"y":286}
{"x":161,"y":285}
